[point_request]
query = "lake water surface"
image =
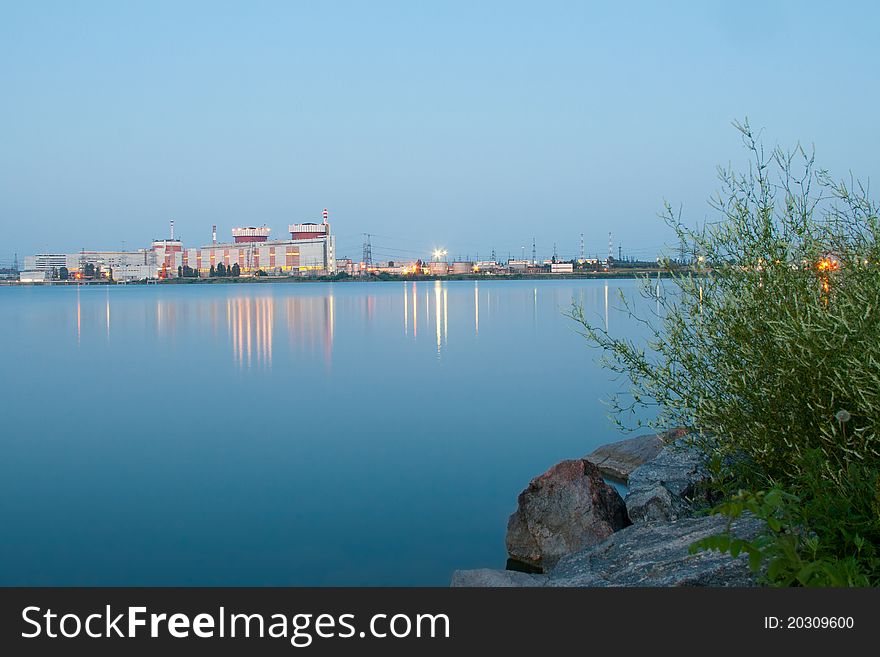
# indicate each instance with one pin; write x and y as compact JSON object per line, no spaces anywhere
{"x":286,"y":434}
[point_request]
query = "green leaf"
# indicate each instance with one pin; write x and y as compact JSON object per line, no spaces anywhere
{"x":754,"y":560}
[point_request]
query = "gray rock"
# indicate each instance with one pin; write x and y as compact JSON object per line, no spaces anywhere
{"x":564,"y":510}
{"x":669,"y":486}
{"x":657,"y":554}
{"x":482,"y":577}
{"x":617,"y":460}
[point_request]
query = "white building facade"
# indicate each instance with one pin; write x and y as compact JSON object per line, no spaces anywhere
{"x":311,"y":250}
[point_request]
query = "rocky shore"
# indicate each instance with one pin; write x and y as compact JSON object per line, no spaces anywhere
{"x":571,"y":528}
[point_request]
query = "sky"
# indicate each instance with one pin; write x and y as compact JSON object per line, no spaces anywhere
{"x":469,"y":126}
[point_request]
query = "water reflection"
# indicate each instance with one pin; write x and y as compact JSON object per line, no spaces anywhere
{"x":346,"y":450}
{"x":252,"y":323}
{"x":659,"y":293}
{"x":415,"y":312}
{"x":309,"y":322}
{"x":253,"y":320}
{"x":167,"y":316}
{"x":535,"y":307}
{"x":78,"y":318}
{"x":437,"y":291}
{"x":606,"y":305}
{"x":445,"y":316}
{"x":476,"y":308}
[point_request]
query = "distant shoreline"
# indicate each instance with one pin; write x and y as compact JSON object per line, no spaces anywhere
{"x":385,"y":278}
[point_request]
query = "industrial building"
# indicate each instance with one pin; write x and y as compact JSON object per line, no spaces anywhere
{"x":309,"y":251}
{"x":121,"y":265}
{"x":45,"y":262}
{"x":460,"y":267}
{"x":33,"y":276}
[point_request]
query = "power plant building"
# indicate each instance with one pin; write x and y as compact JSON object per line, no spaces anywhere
{"x":45,"y":262}
{"x":124,"y":265}
{"x":309,"y":251}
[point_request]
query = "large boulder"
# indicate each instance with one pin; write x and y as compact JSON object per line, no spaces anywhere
{"x":617,"y":460}
{"x":669,"y":486}
{"x":658,"y":554}
{"x":564,"y":510}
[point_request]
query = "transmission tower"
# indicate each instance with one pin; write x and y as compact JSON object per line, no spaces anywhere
{"x":554,"y":252}
{"x":620,"y":252}
{"x":368,"y":251}
{"x":15,"y":263}
{"x":582,"y":246}
{"x":534,"y":257}
{"x":493,"y":255}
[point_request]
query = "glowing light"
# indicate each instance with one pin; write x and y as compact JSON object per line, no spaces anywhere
{"x":825,"y":265}
{"x":828,"y":264}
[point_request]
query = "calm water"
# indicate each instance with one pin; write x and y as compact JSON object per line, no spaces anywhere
{"x":285,"y":434}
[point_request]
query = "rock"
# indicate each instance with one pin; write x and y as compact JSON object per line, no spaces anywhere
{"x":657,"y":554}
{"x":669,"y":486}
{"x":564,"y":510}
{"x":618,"y":460}
{"x":495,"y":578}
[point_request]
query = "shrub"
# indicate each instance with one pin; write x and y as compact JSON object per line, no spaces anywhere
{"x":823,"y":536}
{"x":769,"y":347}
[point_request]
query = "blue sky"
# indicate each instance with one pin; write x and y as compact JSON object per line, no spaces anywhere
{"x":467,"y":125}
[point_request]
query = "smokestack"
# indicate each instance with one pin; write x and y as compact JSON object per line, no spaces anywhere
{"x":172,"y":229}
{"x":326,"y":215}
{"x":214,"y":233}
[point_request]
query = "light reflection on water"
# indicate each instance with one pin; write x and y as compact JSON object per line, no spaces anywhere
{"x":373,"y":433}
{"x":309,"y":321}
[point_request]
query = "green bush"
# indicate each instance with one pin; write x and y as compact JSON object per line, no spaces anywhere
{"x":769,"y":346}
{"x":823,"y":536}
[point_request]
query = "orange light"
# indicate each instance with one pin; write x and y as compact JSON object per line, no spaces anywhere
{"x":827,"y":264}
